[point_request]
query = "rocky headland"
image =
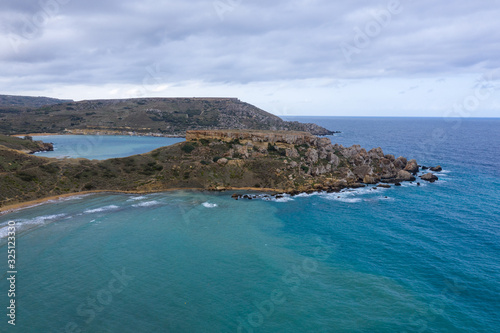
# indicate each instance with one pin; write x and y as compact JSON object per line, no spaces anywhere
{"x":276,"y":161}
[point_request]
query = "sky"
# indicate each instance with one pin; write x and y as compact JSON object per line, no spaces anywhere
{"x":295,"y":57}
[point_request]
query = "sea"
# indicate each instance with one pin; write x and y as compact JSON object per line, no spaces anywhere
{"x":405,"y":259}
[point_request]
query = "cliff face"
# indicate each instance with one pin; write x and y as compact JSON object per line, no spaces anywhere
{"x":210,"y":160}
{"x":289,"y":137}
{"x":149,"y":116}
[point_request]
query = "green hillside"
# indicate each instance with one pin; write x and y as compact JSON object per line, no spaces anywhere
{"x":166,"y":116}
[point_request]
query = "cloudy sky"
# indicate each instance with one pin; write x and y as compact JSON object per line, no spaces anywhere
{"x":295,"y":57}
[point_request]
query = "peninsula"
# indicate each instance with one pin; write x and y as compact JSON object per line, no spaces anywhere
{"x":277,"y":161}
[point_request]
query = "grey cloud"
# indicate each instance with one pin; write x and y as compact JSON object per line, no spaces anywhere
{"x":115,"y":41}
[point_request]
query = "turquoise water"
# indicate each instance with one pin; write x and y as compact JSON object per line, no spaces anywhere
{"x":101,"y":147}
{"x":404,"y":259}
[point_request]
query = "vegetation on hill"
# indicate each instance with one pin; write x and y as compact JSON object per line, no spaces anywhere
{"x":26,"y":144}
{"x":24,"y":102}
{"x":164,"y":116}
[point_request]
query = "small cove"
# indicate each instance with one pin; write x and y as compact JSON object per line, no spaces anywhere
{"x":101,"y":147}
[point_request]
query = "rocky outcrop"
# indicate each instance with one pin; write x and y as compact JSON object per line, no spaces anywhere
{"x":288,"y":137}
{"x":430,"y":177}
{"x":436,"y":169}
{"x":412,"y":167}
{"x":400,"y":162}
{"x":212,"y":160}
{"x":404,"y":175}
{"x":222,"y":161}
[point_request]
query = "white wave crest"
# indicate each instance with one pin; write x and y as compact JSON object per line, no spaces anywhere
{"x":137,"y":198}
{"x":209,"y":205}
{"x":22,"y":225}
{"x":147,"y":204}
{"x":101,"y":209}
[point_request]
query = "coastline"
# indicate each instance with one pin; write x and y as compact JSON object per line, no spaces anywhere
{"x":101,"y":132}
{"x":5,"y":210}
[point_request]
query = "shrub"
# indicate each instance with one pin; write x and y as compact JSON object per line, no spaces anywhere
{"x":188,"y":148}
{"x":216,"y":158}
{"x":305,"y":168}
{"x":88,"y":187}
{"x":27,"y":177}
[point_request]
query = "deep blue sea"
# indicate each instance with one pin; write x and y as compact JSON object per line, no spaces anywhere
{"x":405,"y":259}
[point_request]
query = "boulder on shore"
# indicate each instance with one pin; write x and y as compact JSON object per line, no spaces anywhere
{"x":430,"y":177}
{"x":368,"y":179}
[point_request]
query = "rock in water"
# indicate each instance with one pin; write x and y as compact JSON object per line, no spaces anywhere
{"x":412,"y":166}
{"x":436,"y":169}
{"x":404,"y":176}
{"x":430,"y":177}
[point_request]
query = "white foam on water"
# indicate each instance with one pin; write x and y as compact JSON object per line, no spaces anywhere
{"x":284,"y":198}
{"x":407,"y":184}
{"x":349,"y":195}
{"x":302,"y":195}
{"x":147,"y":204}
{"x":209,"y":205}
{"x":102,"y":209}
{"x":24,"y":224}
{"x":137,"y":198}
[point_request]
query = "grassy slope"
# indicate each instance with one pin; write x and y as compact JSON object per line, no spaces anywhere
{"x":161,"y":115}
{"x":28,"y":101}
{"x":20,"y":144}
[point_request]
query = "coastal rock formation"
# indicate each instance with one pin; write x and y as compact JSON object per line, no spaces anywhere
{"x":412,"y":167}
{"x":286,"y":162}
{"x":430,"y":177}
{"x":272,"y":137}
{"x":404,"y":175}
{"x":436,"y":169}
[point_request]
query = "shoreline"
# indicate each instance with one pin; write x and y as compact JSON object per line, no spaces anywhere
{"x":154,"y":135}
{"x":5,"y":210}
